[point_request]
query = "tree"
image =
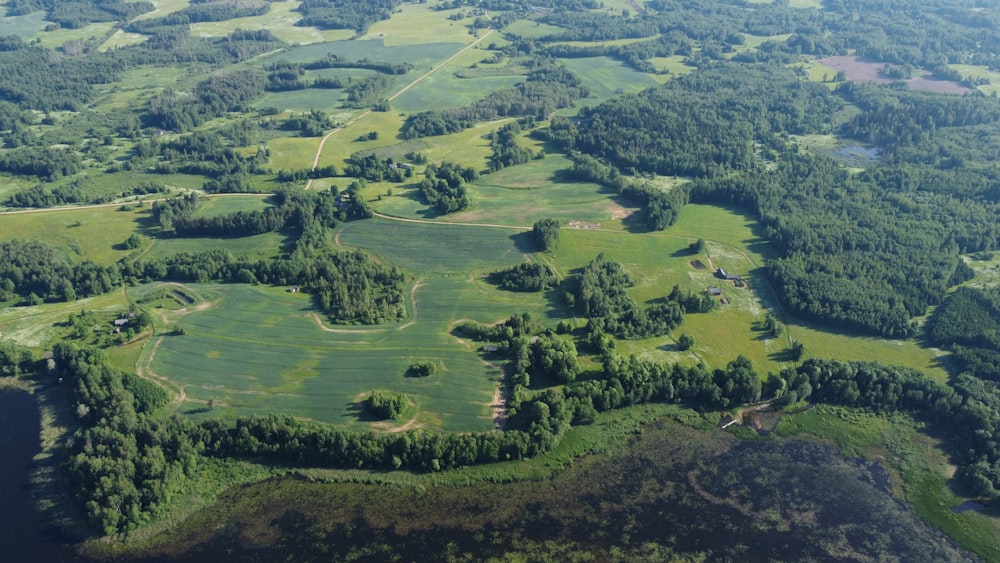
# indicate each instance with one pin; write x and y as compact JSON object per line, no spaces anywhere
{"x":546,"y":234}
{"x":685,"y":342}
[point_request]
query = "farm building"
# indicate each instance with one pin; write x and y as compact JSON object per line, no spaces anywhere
{"x":715,"y":291}
{"x":726,"y":275}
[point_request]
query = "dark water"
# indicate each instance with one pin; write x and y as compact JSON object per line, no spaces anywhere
{"x":23,"y":534}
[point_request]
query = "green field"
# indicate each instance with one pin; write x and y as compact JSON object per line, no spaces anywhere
{"x":417,"y":24}
{"x":606,"y":77}
{"x":258,"y":350}
{"x":83,"y":233}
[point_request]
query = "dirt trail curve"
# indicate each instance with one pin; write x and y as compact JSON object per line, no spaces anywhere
{"x":417,"y":80}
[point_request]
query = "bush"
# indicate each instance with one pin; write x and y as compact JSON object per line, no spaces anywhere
{"x":420,"y":369}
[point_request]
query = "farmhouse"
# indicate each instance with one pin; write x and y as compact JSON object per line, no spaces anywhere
{"x":726,"y":275}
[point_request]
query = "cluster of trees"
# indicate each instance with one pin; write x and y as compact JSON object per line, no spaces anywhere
{"x":203,"y":154}
{"x":42,"y":195}
{"x":375,"y":169}
{"x":44,"y":162}
{"x":222,"y":93}
{"x":358,"y":15}
{"x":312,"y":124}
{"x":14,"y":359}
{"x":443,"y":186}
{"x":528,"y":276}
{"x":386,"y":405}
{"x":37,"y":272}
{"x":369,"y":91}
{"x":74,"y":14}
{"x":504,"y":148}
{"x":854,"y":250}
{"x":123,"y":462}
{"x":167,"y":211}
{"x":600,"y":295}
{"x":199,"y":12}
{"x":334,"y":60}
{"x":545,"y":234}
{"x":968,"y":324}
{"x":544,"y":90}
{"x":702,"y":124}
{"x":661,"y":208}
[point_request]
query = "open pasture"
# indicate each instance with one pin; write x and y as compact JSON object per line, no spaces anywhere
{"x":526,"y":193}
{"x":732,"y":234}
{"x":418,"y":24}
{"x":92,"y":233}
{"x":91,"y":33}
{"x":323,"y":99}
{"x":253,"y":350}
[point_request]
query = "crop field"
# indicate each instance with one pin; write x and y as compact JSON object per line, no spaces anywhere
{"x":304,"y":100}
{"x":266,"y":245}
{"x":443,"y":89}
{"x":422,"y":57}
{"x":252,"y":350}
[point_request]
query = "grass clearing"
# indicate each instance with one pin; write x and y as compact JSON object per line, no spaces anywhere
{"x":531,"y":29}
{"x":216,"y":206}
{"x":262,"y":246}
{"x":39,"y":326}
{"x":293,"y":153}
{"x":606,"y":77}
{"x":418,"y":24}
{"x":83,"y":233}
{"x":89,"y":33}
{"x":976,"y":71}
{"x":120,"y":39}
{"x":163,"y":8}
